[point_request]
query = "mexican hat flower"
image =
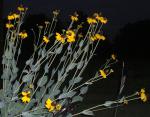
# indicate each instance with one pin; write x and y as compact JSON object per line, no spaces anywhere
{"x":49,"y":105}
{"x":25,"y":96}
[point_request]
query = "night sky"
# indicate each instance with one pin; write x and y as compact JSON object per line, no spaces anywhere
{"x":128,"y":28}
{"x":118,"y":12}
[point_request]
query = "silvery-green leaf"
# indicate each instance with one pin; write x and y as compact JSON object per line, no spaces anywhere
{"x":9,"y":54}
{"x":60,"y":116}
{"x":19,"y":51}
{"x":75,"y":80}
{"x":14,"y":98}
{"x":77,"y":99}
{"x":1,"y":94}
{"x":46,"y":68}
{"x":81,"y":43}
{"x":78,"y":79}
{"x":2,"y":104}
{"x":69,"y":115}
{"x":59,"y":49}
{"x":39,"y":109}
{"x":53,"y":72}
{"x":75,"y":55}
{"x":65,"y":89}
{"x":71,"y":66}
{"x":16,"y":85}
{"x":79,"y":51}
{"x":16,"y":108}
{"x":27,"y":78}
{"x":54,"y":93}
{"x":86,"y":48}
{"x":49,"y":84}
{"x":35,"y":47}
{"x":9,"y":88}
{"x":38,"y":95}
{"x":63,"y":58}
{"x":39,"y":52}
{"x":27,"y":114}
{"x":42,"y":89}
{"x":4,"y":61}
{"x":59,"y":74}
{"x":15,"y":69}
{"x":67,"y":95}
{"x":28,"y":62}
{"x":25,"y":71}
{"x":71,"y":82}
{"x":45,"y":97}
{"x":84,"y":90}
{"x":108,"y":103}
{"x":13,"y":77}
{"x":96,"y":74}
{"x":88,"y":112}
{"x":50,"y":90}
{"x":30,"y":105}
{"x":80,"y":65}
{"x":49,"y":115}
{"x":43,"y":53}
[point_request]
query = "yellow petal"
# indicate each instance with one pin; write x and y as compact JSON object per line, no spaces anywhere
{"x":103,"y":74}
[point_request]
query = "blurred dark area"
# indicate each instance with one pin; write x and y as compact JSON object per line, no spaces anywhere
{"x":130,"y":43}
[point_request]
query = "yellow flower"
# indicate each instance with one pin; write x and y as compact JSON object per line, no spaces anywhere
{"x":9,"y":25}
{"x":143,"y":96}
{"x":91,"y":20}
{"x":60,"y":38}
{"x":10,"y":17}
{"x":49,"y":105}
{"x":74,"y":17}
{"x":70,"y":35}
{"x":25,"y":97}
{"x":58,"y":107}
{"x":102,"y":73}
{"x":23,"y":35}
{"x":103,"y":20}
{"x":93,"y":38}
{"x":21,"y":8}
{"x":25,"y":93}
{"x":142,"y":90}
{"x":99,"y":37}
{"x":45,"y":39}
{"x":16,"y":16}
{"x":113,"y":56}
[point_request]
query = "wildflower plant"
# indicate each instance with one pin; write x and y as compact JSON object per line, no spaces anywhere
{"x":45,"y":89}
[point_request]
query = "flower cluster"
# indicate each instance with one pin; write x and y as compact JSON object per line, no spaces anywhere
{"x":69,"y":36}
{"x":52,"y":106}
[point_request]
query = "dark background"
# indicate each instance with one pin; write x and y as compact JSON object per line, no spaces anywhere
{"x":127,"y":32}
